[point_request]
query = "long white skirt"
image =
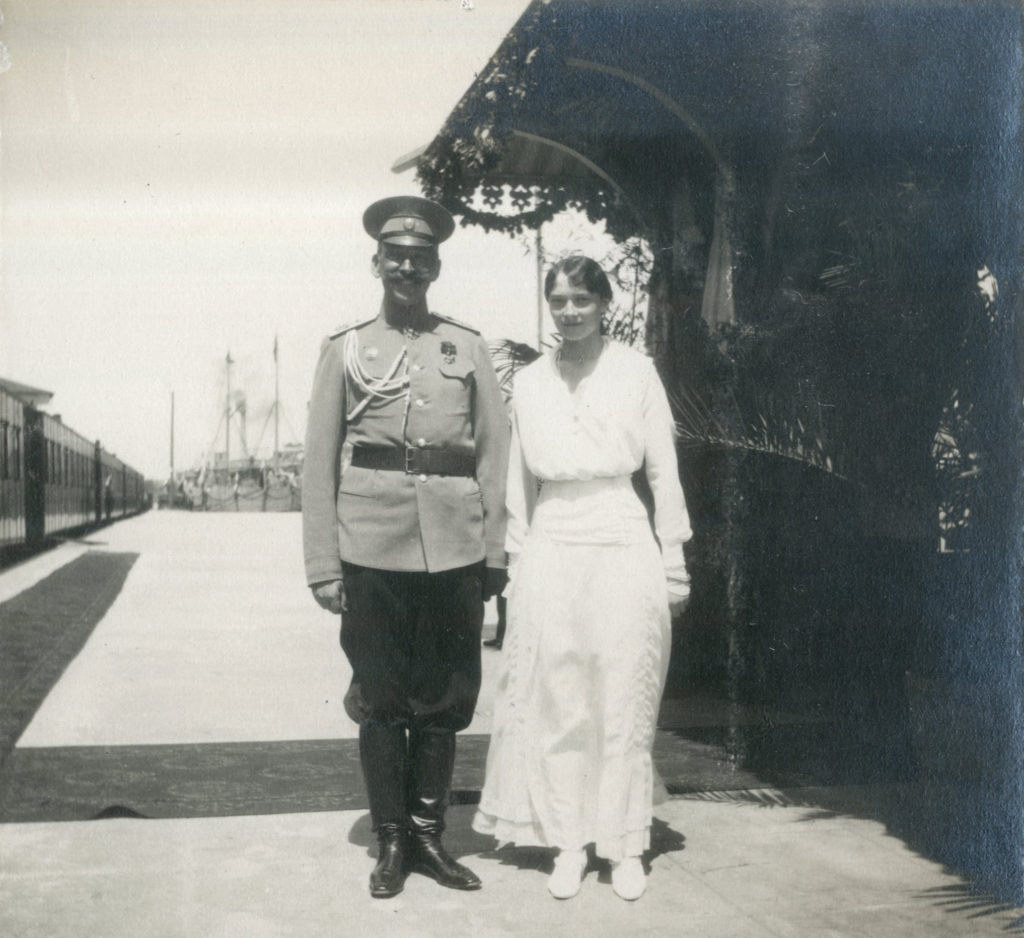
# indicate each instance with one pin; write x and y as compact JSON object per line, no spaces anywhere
{"x":583,"y":668}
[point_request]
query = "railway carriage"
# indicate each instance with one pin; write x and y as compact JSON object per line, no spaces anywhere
{"x":12,"y":470}
{"x":67,"y":479}
{"x":54,"y":481}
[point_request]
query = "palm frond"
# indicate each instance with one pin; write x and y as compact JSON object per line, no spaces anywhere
{"x":789,"y":436}
{"x":508,"y":357}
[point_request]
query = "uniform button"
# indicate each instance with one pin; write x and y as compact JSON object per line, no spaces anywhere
{"x":419,"y":401}
{"x":423,"y":478}
{"x":421,"y":442}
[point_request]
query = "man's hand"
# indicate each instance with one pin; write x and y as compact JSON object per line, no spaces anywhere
{"x":330,"y":595}
{"x":494,"y":582}
{"x":677,"y":605}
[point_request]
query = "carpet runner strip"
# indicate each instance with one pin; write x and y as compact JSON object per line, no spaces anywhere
{"x":188,"y":780}
{"x":72,"y":783}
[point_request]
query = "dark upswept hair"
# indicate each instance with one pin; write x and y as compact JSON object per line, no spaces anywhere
{"x":580,"y":271}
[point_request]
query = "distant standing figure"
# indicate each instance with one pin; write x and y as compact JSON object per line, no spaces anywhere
{"x":587,"y":646}
{"x":407,"y":541}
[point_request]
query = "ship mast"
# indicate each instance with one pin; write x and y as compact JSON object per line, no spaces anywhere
{"x":277,"y":457}
{"x":172,"y":437}
{"x":227,"y":419}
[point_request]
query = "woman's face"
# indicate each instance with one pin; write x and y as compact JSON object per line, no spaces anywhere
{"x":576,"y":311}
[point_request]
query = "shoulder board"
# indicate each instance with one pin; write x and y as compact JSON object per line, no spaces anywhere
{"x":456,"y":322}
{"x":341,"y":330}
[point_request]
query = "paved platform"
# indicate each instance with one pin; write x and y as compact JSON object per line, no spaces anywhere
{"x":183,"y":767}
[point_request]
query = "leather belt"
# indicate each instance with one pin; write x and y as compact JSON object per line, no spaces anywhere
{"x":414,"y":460}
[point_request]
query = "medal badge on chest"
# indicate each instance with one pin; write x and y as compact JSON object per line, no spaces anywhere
{"x":448,"y":351}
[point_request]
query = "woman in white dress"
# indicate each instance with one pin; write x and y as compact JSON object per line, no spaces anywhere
{"x":590,"y":596}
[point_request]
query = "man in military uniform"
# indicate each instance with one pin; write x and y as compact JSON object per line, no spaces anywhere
{"x":405,"y":538}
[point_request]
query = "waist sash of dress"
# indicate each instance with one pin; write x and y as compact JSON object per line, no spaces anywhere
{"x":590,"y":511}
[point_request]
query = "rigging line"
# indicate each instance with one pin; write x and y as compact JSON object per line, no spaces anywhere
{"x":263,"y":429}
{"x":288,"y":423}
{"x":213,"y":442}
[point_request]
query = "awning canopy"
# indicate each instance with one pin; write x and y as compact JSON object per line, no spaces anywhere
{"x":25,"y":392}
{"x":600,"y":102}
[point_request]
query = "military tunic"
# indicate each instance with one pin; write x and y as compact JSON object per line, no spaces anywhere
{"x":393,"y":520}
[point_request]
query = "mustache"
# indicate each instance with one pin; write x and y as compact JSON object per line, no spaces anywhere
{"x":413,"y":277}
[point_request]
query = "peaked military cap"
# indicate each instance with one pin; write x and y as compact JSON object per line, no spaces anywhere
{"x":408,"y":219}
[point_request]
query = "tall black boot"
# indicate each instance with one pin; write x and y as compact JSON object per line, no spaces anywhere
{"x":431,"y":761}
{"x":382,"y":752}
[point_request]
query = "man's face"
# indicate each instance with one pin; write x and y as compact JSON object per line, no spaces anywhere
{"x":407,"y":271}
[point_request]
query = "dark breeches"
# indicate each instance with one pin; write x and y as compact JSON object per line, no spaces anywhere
{"x":413,"y":640}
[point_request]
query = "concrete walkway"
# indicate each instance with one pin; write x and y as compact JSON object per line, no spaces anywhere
{"x":214,"y":642}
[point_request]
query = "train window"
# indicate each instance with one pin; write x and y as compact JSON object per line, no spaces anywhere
{"x":16,"y":453}
{"x":4,"y":443}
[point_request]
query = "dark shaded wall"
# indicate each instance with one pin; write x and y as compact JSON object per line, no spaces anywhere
{"x":859,"y":227}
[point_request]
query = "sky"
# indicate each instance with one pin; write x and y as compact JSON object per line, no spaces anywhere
{"x":183,"y":179}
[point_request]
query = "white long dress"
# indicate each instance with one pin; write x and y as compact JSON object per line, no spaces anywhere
{"x":587,"y":644}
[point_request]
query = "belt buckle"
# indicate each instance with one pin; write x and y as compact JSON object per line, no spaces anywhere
{"x":411,"y":462}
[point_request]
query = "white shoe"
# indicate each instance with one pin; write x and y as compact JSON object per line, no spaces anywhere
{"x":628,"y":878}
{"x":565,"y":881}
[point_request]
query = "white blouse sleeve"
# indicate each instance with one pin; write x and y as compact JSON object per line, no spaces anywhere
{"x":671,"y":519}
{"x":520,"y":496}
